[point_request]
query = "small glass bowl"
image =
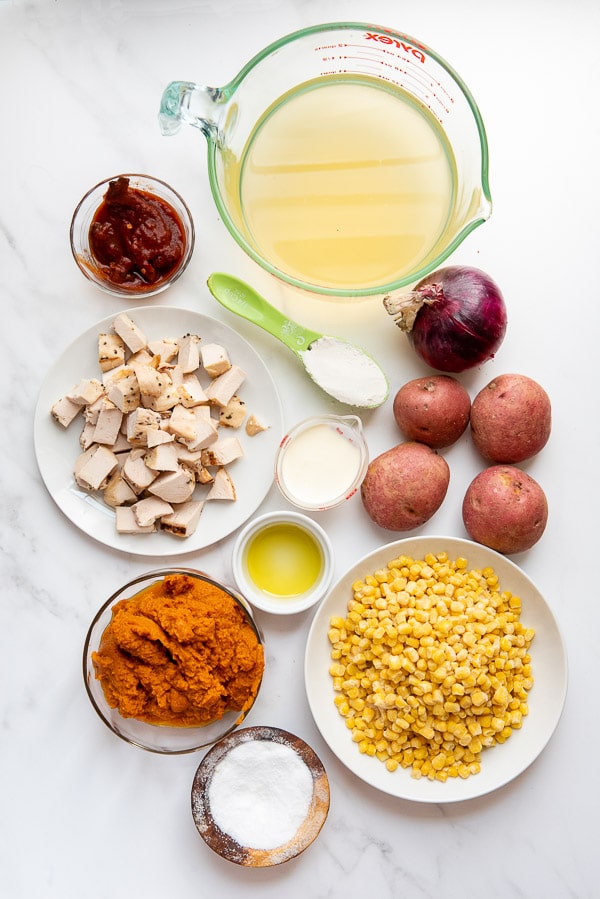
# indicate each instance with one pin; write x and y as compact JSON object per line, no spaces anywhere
{"x":164,"y":739}
{"x":329,"y":476}
{"x":80,"y":235}
{"x":270,"y":602}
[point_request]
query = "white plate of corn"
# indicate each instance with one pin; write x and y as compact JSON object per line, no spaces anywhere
{"x":435,"y":670}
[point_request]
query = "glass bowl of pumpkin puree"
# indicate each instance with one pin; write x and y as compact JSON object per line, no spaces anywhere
{"x":173,"y":661}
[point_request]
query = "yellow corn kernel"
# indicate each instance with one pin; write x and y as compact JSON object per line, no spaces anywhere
{"x":479,"y":698}
{"x":501,"y":697}
{"x":368,"y":714}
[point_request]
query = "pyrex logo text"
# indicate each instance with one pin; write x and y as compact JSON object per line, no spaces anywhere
{"x":386,"y":39}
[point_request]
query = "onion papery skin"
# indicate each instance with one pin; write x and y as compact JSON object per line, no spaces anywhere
{"x":462,"y":321}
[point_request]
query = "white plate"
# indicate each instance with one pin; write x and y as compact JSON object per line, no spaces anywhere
{"x":499,"y":764}
{"x":56,"y":448}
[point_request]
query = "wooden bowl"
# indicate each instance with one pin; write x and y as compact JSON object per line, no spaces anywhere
{"x":224,"y":844}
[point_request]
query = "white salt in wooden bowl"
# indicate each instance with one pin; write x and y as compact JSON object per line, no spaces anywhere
{"x":260,"y":797}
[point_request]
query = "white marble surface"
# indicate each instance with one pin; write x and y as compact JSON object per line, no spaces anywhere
{"x":83,"y":814}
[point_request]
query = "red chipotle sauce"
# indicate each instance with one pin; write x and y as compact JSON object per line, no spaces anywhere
{"x":136,"y":238}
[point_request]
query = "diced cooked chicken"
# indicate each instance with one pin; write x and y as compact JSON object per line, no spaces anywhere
{"x":108,"y":425}
{"x":166,"y":399}
{"x":150,"y":381}
{"x":117,"y":491}
{"x":173,"y":486}
{"x":164,"y":457}
{"x":191,"y":391}
{"x":221,"y":389}
{"x":147,"y":511}
{"x":157,"y":436}
{"x":133,"y":336}
{"x":126,"y":522}
{"x":142,"y":357}
{"x":192,"y":461}
{"x":111,"y":351}
{"x":254,"y":426}
{"x":188,"y":456}
{"x":167,"y":349}
{"x":205,"y":431}
{"x":223,"y":487}
{"x":183,"y":520}
{"x":150,"y":427}
{"x":192,"y":428}
{"x":203,"y":413}
{"x":87,"y":391}
{"x":215,"y":359}
{"x":140,"y":423}
{"x":204,"y":475}
{"x":121,"y":444}
{"x":92,"y":410}
{"x":124,"y":391}
{"x":86,"y":437}
{"x":94,"y":467}
{"x":64,"y":411}
{"x":188,"y":357}
{"x":135,"y":471}
{"x":182,"y":422}
{"x":224,"y":451}
{"x":233,"y":414}
{"x":109,"y":377}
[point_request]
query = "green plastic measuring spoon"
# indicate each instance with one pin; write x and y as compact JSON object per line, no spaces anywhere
{"x":338,"y":367}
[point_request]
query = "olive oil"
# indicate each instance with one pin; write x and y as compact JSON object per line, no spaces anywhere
{"x":284,"y":560}
{"x":345,"y":184}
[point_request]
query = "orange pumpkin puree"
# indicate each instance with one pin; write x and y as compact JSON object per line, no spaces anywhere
{"x":181,"y":652}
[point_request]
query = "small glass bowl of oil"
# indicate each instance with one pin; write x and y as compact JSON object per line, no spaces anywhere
{"x":283,"y":562}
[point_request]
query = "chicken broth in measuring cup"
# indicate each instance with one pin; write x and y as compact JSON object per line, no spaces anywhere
{"x":345,"y":184}
{"x":346,"y":159}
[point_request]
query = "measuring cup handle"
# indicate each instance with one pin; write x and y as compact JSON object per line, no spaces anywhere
{"x":192,"y":104}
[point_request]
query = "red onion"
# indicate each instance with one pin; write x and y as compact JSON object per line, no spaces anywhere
{"x":455,"y":318}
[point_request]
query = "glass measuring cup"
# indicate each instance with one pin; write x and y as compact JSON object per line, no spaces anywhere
{"x":346,"y":159}
{"x":321,"y":461}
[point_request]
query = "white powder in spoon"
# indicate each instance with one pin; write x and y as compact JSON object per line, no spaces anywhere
{"x":260,"y":793}
{"x":345,"y":372}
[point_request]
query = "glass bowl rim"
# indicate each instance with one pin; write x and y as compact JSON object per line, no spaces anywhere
{"x":183,"y":211}
{"x":240,"y":600}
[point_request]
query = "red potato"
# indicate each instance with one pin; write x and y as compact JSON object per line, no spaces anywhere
{"x":505,"y":509}
{"x":511,"y":419}
{"x":405,"y":486}
{"x":433,"y":410}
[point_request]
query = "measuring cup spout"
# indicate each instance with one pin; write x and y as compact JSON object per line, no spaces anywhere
{"x":192,"y":104}
{"x":354,"y":422}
